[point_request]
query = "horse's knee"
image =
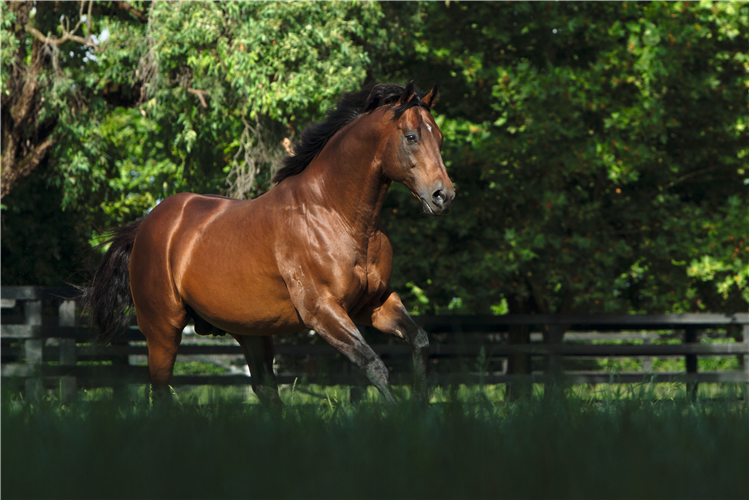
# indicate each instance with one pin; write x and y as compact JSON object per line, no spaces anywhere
{"x":377,"y":372}
{"x":418,"y":339}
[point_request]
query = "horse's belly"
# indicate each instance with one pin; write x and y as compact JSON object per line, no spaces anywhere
{"x":246,"y":310}
{"x":267,"y":322}
{"x":238,"y":292}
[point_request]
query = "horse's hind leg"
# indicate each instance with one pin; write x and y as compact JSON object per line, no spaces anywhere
{"x":259,"y":353}
{"x":163,"y":341}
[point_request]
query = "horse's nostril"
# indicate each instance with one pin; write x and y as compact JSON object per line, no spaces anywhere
{"x":438,"y":197}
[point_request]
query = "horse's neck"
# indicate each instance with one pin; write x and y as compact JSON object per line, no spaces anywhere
{"x":349,"y":176}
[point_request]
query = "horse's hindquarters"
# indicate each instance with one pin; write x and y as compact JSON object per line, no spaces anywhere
{"x":224,"y":267}
{"x":155,"y":295}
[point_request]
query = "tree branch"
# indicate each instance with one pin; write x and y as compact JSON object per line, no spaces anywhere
{"x":15,"y":174}
{"x":130,"y":10}
{"x":68,"y":35}
{"x":690,"y":175}
{"x":59,"y":41}
{"x":200,"y":94}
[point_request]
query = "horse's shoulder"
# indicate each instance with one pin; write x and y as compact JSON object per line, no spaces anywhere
{"x":379,"y":239}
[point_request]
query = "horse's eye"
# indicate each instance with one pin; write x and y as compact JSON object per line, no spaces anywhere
{"x":411,"y":138}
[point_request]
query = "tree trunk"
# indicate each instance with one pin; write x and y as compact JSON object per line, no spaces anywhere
{"x":26,"y":143}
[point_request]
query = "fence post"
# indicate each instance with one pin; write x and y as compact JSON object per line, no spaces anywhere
{"x":32,"y":351}
{"x":519,"y":364}
{"x":690,"y":337}
{"x":647,"y":361}
{"x":68,"y":384}
{"x":745,"y":332}
{"x":120,"y":389}
{"x":553,"y":335}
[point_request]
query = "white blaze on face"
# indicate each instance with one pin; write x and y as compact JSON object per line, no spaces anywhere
{"x":428,"y":127}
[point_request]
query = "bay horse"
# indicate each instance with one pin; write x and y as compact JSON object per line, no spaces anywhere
{"x":309,"y":253}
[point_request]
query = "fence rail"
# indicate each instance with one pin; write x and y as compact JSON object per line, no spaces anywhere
{"x":41,"y":349}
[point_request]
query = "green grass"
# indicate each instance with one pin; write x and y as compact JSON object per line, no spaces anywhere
{"x":469,"y":443}
{"x":198,"y":368}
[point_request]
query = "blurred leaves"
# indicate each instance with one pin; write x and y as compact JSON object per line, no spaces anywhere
{"x":599,"y":149}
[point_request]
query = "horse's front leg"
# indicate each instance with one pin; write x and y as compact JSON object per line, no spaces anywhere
{"x":333,"y":323}
{"x":390,"y":316}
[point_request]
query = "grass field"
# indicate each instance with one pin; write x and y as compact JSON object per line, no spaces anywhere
{"x":469,"y":443}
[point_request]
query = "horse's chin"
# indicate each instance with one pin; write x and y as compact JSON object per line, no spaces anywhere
{"x":433,"y":211}
{"x":427,"y":209}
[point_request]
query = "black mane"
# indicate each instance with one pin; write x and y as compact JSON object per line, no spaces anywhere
{"x":349,"y":107}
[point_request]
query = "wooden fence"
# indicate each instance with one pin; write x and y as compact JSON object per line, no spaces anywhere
{"x":46,"y":344}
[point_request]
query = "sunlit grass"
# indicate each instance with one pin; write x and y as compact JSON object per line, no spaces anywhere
{"x":198,"y":368}
{"x":304,"y":394}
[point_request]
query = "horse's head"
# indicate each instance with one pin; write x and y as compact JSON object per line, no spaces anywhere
{"x":412,"y":155}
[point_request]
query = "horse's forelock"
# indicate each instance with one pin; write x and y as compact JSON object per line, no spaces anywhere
{"x":416,"y":101}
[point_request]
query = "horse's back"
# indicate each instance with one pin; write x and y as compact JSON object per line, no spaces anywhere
{"x":175,"y":214}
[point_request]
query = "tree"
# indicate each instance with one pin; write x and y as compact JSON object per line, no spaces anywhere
{"x":599,"y":153}
{"x":139,"y":101}
{"x":599,"y":149}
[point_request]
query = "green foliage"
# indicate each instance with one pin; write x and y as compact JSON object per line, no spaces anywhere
{"x":597,"y":148}
{"x":8,"y":45}
{"x":202,"y":68}
{"x":131,"y":133}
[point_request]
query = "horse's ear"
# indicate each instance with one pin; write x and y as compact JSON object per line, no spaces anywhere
{"x":431,"y":98}
{"x":408,"y":94}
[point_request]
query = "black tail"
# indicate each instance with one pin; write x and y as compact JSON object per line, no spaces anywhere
{"x":107,"y":299}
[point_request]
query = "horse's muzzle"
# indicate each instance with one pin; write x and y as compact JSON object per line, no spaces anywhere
{"x":439,"y":201}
